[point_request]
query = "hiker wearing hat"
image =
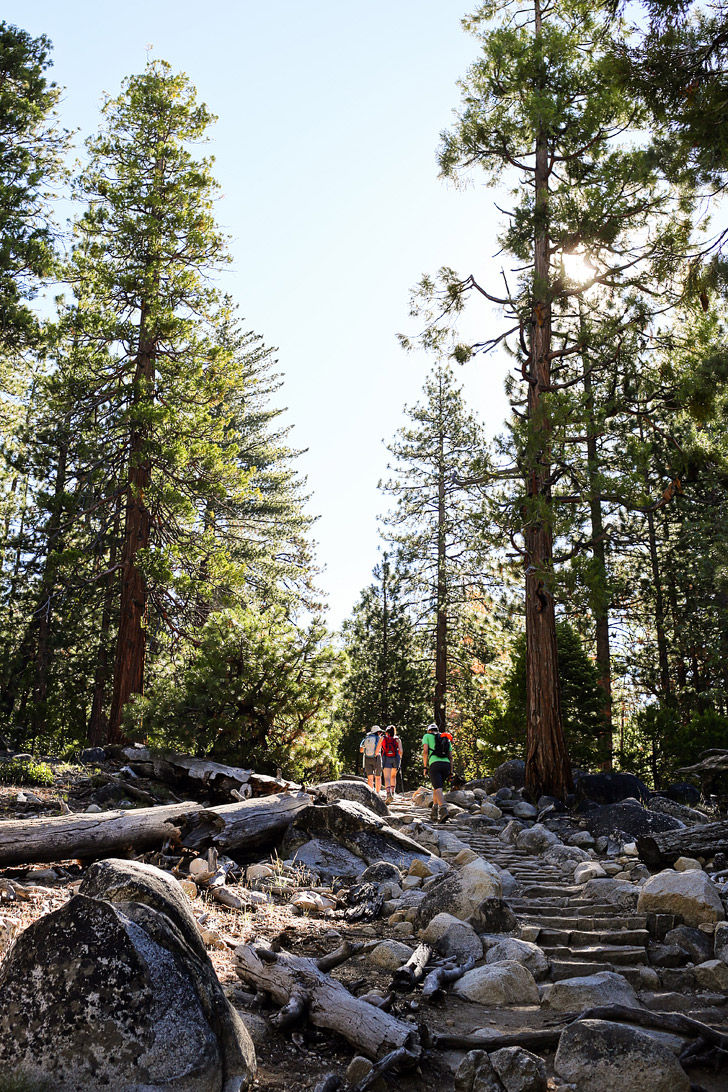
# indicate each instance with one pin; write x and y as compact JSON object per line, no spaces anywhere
{"x":437,"y":759}
{"x":371,"y":759}
{"x":389,"y":749}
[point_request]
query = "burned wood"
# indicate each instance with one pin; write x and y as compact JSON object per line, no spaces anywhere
{"x":410,"y":974}
{"x":331,"y":1006}
{"x":662,"y":850}
{"x":400,"y":1058}
{"x":443,"y":976}
{"x":127,"y":787}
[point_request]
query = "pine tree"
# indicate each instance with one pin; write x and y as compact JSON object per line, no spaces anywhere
{"x":436,"y":525}
{"x":388,"y":681}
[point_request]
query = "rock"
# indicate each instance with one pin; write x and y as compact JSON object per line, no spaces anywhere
{"x":720,"y":941}
{"x":519,"y":1070}
{"x":9,"y":927}
{"x":461,"y":797}
{"x":389,"y":955}
{"x":584,"y":839}
{"x":358,"y":791}
{"x":627,"y":821}
{"x":509,"y":883}
{"x":503,"y":795}
{"x":511,"y":774}
{"x":523,"y":951}
{"x":692,"y":895}
{"x":329,"y":859}
{"x":713,"y":976}
{"x":536,"y":839}
{"x":310,"y":902}
{"x":597,"y":1054}
{"x":453,"y":937}
{"x":257,"y":1026}
{"x":360,"y":1067}
{"x":403,"y":929}
{"x":380,"y":872}
{"x":491,"y":811}
{"x":494,"y":915}
{"x":411,"y":883}
{"x":465,"y":856}
{"x":125,"y":998}
{"x":460,"y":892}
{"x":93,"y":809}
{"x":476,"y":1074}
{"x":687,"y":864}
{"x":253,"y":873}
{"x":697,"y":944}
{"x":610,"y":788}
{"x":684,"y":793}
{"x":588,"y":870}
{"x":524,"y":810}
{"x":419,"y":868}
{"x":618,"y":893}
{"x":667,"y":955}
{"x":602,"y":988}
{"x":359,"y":831}
{"x":450,"y":845}
{"x":496,"y":984}
{"x":510,"y":832}
{"x":93,"y":754}
{"x":565,"y":856}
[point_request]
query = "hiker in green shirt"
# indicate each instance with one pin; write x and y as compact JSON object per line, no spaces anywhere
{"x":437,"y":759}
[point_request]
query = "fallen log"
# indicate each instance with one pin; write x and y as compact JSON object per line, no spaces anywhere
{"x":478,"y":1040}
{"x":104,"y":834}
{"x":246,"y":828}
{"x":664,"y":1021}
{"x":326,"y":1002}
{"x":662,"y":850}
{"x":406,"y":977}
{"x":226,"y":782}
{"x":401,"y":1057}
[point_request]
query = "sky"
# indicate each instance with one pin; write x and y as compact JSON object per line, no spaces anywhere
{"x":329,"y":115}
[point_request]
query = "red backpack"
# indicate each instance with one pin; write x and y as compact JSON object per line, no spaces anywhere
{"x":389,"y":746}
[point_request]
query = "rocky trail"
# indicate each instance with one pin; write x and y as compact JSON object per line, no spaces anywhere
{"x":512,"y":948}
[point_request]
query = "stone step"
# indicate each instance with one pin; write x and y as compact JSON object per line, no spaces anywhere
{"x":564,"y":908}
{"x":584,"y":938}
{"x":615,"y":954}
{"x":556,"y":891}
{"x":590,"y":923}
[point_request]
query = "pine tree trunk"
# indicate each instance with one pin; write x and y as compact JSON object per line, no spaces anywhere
{"x":599,"y":553}
{"x":96,"y":731}
{"x":662,"y":653}
{"x":547,"y":762}
{"x":131,"y":640}
{"x":441,"y":619}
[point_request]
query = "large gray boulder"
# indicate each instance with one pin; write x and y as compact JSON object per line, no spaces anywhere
{"x":499,"y":949}
{"x":119,"y":993}
{"x":329,"y":859}
{"x":692,"y":895}
{"x":627,"y":821}
{"x":497,"y":984}
{"x":519,"y":1070}
{"x":589,"y":991}
{"x":476,"y":1074}
{"x":510,"y":774}
{"x":536,"y":839}
{"x":452,"y":937}
{"x":460,"y":892}
{"x":720,"y":941}
{"x":358,"y":830}
{"x":620,"y":894}
{"x":597,"y":1054}
{"x":357,"y":791}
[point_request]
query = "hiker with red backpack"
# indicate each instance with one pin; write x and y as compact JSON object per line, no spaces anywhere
{"x":390,"y":748}
{"x":437,"y":758}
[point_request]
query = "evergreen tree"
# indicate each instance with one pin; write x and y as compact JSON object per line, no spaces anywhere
{"x":388,"y":681}
{"x":436,"y":526}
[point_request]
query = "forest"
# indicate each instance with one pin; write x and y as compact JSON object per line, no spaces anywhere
{"x":557,"y":592}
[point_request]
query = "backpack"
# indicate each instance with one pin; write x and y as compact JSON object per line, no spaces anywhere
{"x":389,"y":746}
{"x":442,"y":746}
{"x":370,"y":745}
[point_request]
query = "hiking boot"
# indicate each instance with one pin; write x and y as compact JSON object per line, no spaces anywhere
{"x":442,"y":814}
{"x":389,"y":799}
{"x":434,"y":813}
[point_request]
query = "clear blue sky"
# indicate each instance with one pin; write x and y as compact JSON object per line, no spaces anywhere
{"x":329,"y":118}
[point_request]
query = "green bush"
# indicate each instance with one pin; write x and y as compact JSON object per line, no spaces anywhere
{"x":23,"y":771}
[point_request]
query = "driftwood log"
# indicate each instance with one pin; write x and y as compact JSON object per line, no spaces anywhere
{"x":479,"y":1040}
{"x":662,"y":850}
{"x":303,"y":988}
{"x":441,"y":977}
{"x":245,"y":827}
{"x":224,"y":782}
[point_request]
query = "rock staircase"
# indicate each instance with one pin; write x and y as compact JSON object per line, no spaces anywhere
{"x":581,"y":937}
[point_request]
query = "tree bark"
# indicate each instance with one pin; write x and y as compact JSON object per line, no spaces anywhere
{"x":441,"y":619}
{"x":248,"y":826}
{"x":96,"y":732}
{"x":547,"y":762}
{"x":327,"y":1002}
{"x":704,"y":840}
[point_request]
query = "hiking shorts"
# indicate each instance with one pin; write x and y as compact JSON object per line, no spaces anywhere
{"x":439,"y":772}
{"x":391,"y":762}
{"x":372,"y":764}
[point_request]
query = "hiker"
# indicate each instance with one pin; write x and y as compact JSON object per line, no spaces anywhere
{"x":437,"y":759}
{"x":371,"y":759}
{"x":390,"y":750}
